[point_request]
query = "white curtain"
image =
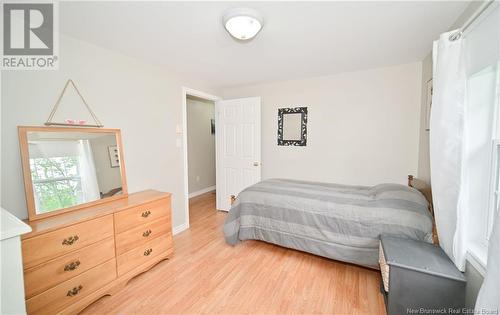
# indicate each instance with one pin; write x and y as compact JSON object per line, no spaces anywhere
{"x":90,"y":186}
{"x":447,"y":131}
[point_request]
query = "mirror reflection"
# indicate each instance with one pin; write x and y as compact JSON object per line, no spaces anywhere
{"x":71,"y":168}
{"x":292,"y":126}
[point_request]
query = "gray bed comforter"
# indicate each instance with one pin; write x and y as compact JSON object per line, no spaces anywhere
{"x":335,"y":221}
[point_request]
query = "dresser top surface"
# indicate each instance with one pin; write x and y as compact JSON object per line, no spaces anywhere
{"x":69,"y":218}
{"x":11,"y":226}
{"x":419,"y":256}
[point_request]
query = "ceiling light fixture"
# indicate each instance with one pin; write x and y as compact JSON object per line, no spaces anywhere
{"x":242,"y":23}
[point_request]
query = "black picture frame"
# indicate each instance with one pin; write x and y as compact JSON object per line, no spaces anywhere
{"x":303,"y":126}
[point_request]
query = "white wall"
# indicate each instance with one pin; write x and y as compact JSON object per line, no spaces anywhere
{"x":143,"y":100}
{"x":201,"y":144}
{"x":363,"y":127}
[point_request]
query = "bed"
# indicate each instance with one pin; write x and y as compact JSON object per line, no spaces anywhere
{"x":340,"y":222}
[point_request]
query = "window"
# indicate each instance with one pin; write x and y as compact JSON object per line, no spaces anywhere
{"x":56,"y":182}
{"x":483,"y":123}
{"x":495,"y":187}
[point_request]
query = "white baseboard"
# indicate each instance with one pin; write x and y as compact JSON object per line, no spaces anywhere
{"x":201,"y":191}
{"x":180,"y":228}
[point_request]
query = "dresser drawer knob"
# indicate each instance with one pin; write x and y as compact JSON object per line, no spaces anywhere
{"x":146,"y":233}
{"x":72,"y":266}
{"x":74,"y":291}
{"x":146,"y":214}
{"x":148,"y":252}
{"x":70,"y":240}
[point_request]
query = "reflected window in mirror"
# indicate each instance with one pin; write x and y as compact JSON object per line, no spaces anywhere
{"x":292,"y":126}
{"x":71,"y":169}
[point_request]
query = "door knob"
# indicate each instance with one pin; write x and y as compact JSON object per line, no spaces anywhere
{"x":255,"y":163}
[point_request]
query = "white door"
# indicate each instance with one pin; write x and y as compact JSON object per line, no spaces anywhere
{"x":237,"y":139}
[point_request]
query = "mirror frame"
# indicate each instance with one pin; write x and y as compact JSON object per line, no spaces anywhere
{"x":303,"y":126}
{"x":28,"y":184}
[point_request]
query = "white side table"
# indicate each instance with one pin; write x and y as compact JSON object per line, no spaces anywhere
{"x":11,"y":264}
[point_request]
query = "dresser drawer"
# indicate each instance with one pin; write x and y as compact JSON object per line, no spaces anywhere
{"x":142,"y":234}
{"x":72,"y":290}
{"x":55,"y":271}
{"x":143,"y":254}
{"x":130,"y":218}
{"x":43,"y":247}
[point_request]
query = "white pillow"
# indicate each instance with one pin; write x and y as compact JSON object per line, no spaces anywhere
{"x":488,"y":300}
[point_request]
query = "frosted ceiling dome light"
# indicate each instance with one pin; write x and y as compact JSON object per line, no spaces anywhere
{"x":243,"y":24}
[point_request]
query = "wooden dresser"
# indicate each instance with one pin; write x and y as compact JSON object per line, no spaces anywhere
{"x":72,"y":259}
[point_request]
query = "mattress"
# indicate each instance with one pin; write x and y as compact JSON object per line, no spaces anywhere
{"x":340,"y":222}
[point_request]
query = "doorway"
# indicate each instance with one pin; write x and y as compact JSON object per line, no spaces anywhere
{"x":237,"y":147}
{"x":200,"y":115}
{"x":199,"y":146}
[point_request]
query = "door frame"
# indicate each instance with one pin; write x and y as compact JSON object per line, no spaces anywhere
{"x":192,"y":92}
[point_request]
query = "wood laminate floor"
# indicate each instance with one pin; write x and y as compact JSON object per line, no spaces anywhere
{"x":207,"y":276}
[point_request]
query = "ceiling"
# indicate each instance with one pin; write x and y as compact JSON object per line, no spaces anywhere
{"x":299,"y":39}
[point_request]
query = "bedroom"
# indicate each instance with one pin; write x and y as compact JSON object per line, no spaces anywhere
{"x":361,"y":70}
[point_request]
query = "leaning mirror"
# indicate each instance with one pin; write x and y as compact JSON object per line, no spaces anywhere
{"x":292,"y":126}
{"x":70,"y":168}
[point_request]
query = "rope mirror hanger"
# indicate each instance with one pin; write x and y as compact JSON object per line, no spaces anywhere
{"x":49,"y":121}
